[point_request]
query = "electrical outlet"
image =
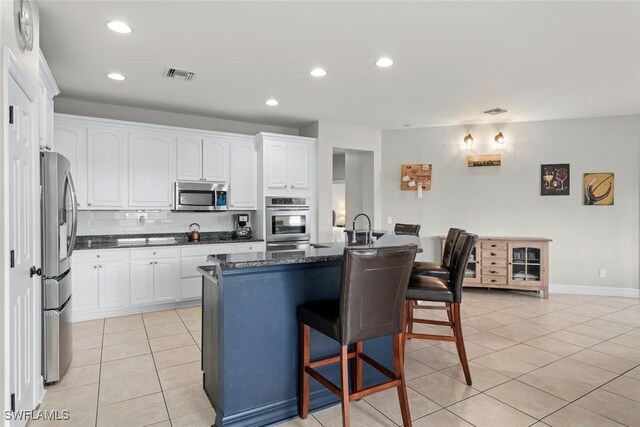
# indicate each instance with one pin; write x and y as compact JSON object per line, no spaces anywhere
{"x":603,"y":273}
{"x":389,"y":220}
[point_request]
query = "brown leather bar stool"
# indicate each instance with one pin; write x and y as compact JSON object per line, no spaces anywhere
{"x":374,"y":282}
{"x":410,"y":229}
{"x":436,"y":289}
{"x":434,"y":269}
{"x":440,"y":270}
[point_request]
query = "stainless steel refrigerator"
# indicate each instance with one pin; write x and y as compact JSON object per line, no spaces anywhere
{"x":59,"y":226}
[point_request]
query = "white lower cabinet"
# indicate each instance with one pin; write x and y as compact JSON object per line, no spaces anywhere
{"x":113,"y":281}
{"x":99,"y":280}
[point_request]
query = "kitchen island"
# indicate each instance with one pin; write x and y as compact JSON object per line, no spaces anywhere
{"x":250,"y":332}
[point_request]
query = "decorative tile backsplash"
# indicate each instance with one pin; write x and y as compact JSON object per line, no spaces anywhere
{"x":127,"y":222}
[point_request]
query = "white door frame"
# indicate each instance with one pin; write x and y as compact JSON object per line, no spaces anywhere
{"x":12,"y":69}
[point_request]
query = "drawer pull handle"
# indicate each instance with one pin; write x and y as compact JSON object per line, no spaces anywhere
{"x":493,"y":271}
{"x":494,"y":263}
{"x":494,"y":246}
{"x":493,"y":254}
{"x":493,"y":280}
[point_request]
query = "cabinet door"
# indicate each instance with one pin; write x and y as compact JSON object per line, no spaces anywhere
{"x":189,"y":159}
{"x":45,"y":122}
{"x":151,"y":170}
{"x":71,"y":141}
{"x":215,"y":160}
{"x":525,"y":264}
{"x":165,"y":279}
{"x":84,"y":287}
{"x":111,"y":284}
{"x":141,"y":282}
{"x":298,"y":165}
{"x":242,"y":175}
{"x":106,"y":168}
{"x":276,"y":156}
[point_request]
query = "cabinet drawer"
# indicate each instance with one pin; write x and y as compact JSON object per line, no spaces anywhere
{"x":494,"y":271}
{"x":493,"y":253}
{"x":189,"y":265}
{"x":492,"y":244}
{"x":147,"y":253}
{"x":494,"y":280}
{"x":218,"y":248}
{"x":250,"y":247}
{"x":494,"y":262}
{"x":99,"y":254}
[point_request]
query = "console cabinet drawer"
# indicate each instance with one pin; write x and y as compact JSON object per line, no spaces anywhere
{"x":494,"y":280}
{"x":493,"y":253}
{"x":492,"y":244}
{"x":494,"y":271}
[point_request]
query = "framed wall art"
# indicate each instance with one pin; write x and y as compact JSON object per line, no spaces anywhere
{"x":598,"y":188}
{"x":415,"y":175}
{"x":475,"y":160}
{"x":555,"y":180}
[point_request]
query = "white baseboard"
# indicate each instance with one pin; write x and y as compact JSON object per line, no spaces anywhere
{"x":99,"y":314}
{"x":594,"y":290}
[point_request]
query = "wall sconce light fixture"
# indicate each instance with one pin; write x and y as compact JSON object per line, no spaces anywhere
{"x":499,"y":138}
{"x":468,"y":139}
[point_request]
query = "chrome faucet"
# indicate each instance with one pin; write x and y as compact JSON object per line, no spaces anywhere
{"x":369,"y":233}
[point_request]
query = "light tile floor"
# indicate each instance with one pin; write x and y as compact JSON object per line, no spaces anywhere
{"x":566,"y":361}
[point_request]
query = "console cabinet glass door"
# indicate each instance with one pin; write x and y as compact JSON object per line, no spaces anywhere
{"x":525,"y":263}
{"x":471,"y":270}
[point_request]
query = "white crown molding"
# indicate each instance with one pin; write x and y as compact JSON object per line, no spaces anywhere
{"x":296,"y":138}
{"x":141,"y":126}
{"x":47,"y":77}
{"x":594,"y":290}
{"x":14,"y":70}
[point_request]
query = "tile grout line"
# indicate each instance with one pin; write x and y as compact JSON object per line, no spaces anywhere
{"x":164,"y":399}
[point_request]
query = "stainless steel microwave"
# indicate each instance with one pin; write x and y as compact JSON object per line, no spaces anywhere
{"x":200,"y":196}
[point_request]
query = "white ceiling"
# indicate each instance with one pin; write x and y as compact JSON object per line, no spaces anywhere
{"x":453,"y":60}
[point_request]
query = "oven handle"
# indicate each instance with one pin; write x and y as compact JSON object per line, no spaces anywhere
{"x":288,"y":209}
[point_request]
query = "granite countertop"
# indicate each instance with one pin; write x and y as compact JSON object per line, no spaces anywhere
{"x":122,"y":241}
{"x":322,"y":252}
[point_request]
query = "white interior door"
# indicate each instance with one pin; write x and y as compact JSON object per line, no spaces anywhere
{"x":23,"y":239}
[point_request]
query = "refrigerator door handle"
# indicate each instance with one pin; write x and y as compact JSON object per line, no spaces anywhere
{"x":74,"y":207}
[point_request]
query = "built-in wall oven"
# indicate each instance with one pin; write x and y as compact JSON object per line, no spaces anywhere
{"x":288,"y":223}
{"x":200,"y":196}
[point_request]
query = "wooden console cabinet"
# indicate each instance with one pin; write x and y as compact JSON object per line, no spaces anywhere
{"x":520,"y":263}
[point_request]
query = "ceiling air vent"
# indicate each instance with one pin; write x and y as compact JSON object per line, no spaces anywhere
{"x":496,"y":111}
{"x":174,"y":73}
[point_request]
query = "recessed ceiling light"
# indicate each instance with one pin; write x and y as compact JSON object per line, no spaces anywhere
{"x":384,"y":62}
{"x":272,"y":102}
{"x":116,"y":76}
{"x":318,"y":72}
{"x":119,"y":27}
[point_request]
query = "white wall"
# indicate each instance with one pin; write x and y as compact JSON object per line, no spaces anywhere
{"x":359,"y":192}
{"x":340,"y":135}
{"x":506,"y":201}
{"x":29,"y":64}
{"x":132,"y":114}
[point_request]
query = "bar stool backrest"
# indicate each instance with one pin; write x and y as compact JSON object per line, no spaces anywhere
{"x":460,"y":259}
{"x":411,"y":229}
{"x":374,"y":283}
{"x":449,"y":245}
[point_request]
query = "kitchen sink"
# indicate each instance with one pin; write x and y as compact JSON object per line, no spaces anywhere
{"x":317,"y":246}
{"x":139,"y":241}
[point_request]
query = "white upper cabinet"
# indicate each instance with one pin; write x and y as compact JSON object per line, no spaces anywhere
{"x":106,"y":169}
{"x":215,"y":160}
{"x":298,"y":165}
{"x":288,"y":164}
{"x":203,"y":159}
{"x":189,"y":159}
{"x":276,"y":157}
{"x":47,"y":90}
{"x":151,"y":170}
{"x":242,"y":175}
{"x":70,"y":140}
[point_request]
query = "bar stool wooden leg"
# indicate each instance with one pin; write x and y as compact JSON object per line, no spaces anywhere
{"x":398,"y":363}
{"x":344,"y":380}
{"x":358,"y":371}
{"x":305,"y":359}
{"x":457,"y":332}
{"x":411,"y":304}
{"x":449,"y":315}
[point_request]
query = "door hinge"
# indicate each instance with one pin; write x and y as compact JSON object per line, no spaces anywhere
{"x":12,"y":259}
{"x":13,"y":402}
{"x":10,"y":114}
